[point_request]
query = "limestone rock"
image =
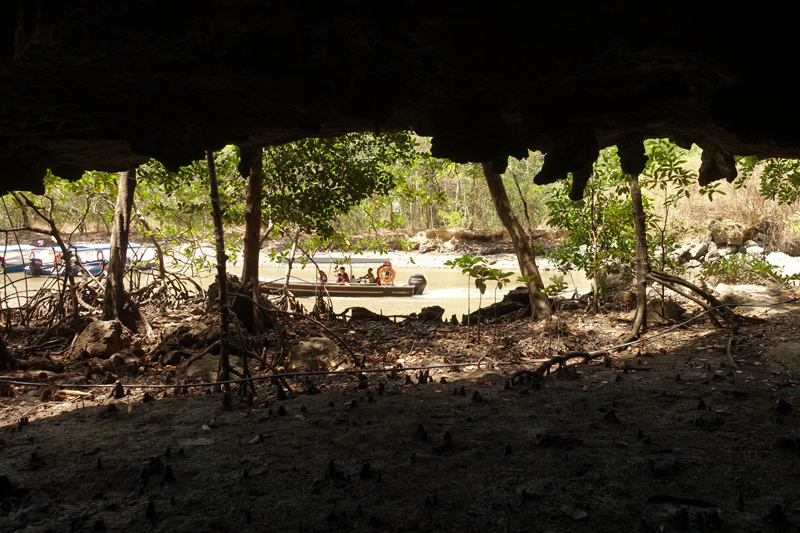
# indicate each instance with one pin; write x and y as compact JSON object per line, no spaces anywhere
{"x":174,"y":357}
{"x":730,"y":232}
{"x":314,"y":353}
{"x":698,"y":250}
{"x":102,"y":339}
{"x":754,"y":299}
{"x":204,"y":367}
{"x":126,"y":361}
{"x":664,"y":311}
{"x":786,"y":356}
{"x":787,"y":264}
{"x":364,"y":314}
{"x":681,"y":253}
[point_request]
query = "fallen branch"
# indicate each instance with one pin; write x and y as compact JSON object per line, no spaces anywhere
{"x":544,"y":368}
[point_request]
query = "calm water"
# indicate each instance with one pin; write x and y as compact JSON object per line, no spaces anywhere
{"x":446,"y":288}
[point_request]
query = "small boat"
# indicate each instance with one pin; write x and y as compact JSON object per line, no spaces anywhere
{"x":356,"y":289}
{"x":13,"y":257}
{"x":93,"y":258}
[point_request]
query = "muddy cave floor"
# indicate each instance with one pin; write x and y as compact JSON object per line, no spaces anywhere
{"x":672,"y":435}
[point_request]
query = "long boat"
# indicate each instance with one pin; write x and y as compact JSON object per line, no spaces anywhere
{"x":93,"y":258}
{"x":356,"y":289}
{"x":13,"y":257}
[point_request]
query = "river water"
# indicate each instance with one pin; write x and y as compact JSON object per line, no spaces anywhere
{"x":446,"y":287}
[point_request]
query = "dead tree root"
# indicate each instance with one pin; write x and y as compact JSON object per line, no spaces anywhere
{"x":544,"y":369}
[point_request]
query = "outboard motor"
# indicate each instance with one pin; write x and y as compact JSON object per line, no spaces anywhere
{"x":35,"y":267}
{"x":419,"y":283}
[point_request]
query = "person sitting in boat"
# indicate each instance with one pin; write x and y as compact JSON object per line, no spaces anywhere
{"x":369,"y":276}
{"x":323,"y":278}
{"x":342,"y":277}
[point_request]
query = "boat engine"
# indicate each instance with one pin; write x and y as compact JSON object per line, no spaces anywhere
{"x":35,"y":267}
{"x":419,"y":283}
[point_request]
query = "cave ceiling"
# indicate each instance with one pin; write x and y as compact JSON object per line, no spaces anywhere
{"x":106,"y":85}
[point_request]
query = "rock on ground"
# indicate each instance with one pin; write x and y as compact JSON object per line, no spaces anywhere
{"x":314,"y":353}
{"x":102,"y":339}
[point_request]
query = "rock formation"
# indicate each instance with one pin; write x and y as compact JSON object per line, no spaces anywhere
{"x":107,"y":85}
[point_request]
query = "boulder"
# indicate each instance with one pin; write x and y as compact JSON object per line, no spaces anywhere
{"x":195,"y":336}
{"x":204,"y":367}
{"x":174,"y":357}
{"x":127,"y":361}
{"x":712,"y":248}
{"x":625,"y":298}
{"x":727,"y":249}
{"x":664,"y":311}
{"x":754,"y":251}
{"x":681,"y":253}
{"x":432,"y":314}
{"x":788,"y":265}
{"x":698,"y":251}
{"x":102,"y":339}
{"x":313,"y":354}
{"x":784,"y":357}
{"x":734,"y":295}
{"x":754,"y":299}
{"x":730,"y":232}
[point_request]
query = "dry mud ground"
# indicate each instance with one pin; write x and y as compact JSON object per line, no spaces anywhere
{"x":674,"y":436}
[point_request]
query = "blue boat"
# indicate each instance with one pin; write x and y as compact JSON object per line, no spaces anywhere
{"x":92,"y":257}
{"x":14,"y":257}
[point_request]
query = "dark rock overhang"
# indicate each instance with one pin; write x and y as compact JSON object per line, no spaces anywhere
{"x":107,"y":85}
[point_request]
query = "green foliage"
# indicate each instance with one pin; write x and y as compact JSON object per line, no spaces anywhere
{"x":176,"y":206}
{"x":467,"y":263}
{"x":432,"y":192}
{"x":601,"y":239}
{"x":312,"y":182}
{"x":556,"y":286}
{"x":738,"y":269}
{"x":668,"y":180}
{"x":780,"y":178}
{"x":481,"y":270}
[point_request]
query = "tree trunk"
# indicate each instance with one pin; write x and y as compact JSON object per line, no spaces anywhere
{"x":540,"y":303}
{"x":116,"y":303}
{"x":252,"y":164}
{"x":642,"y":264}
{"x":222,"y":276}
{"x":26,"y":222}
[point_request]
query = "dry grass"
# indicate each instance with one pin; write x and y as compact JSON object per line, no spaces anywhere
{"x":778,"y":225}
